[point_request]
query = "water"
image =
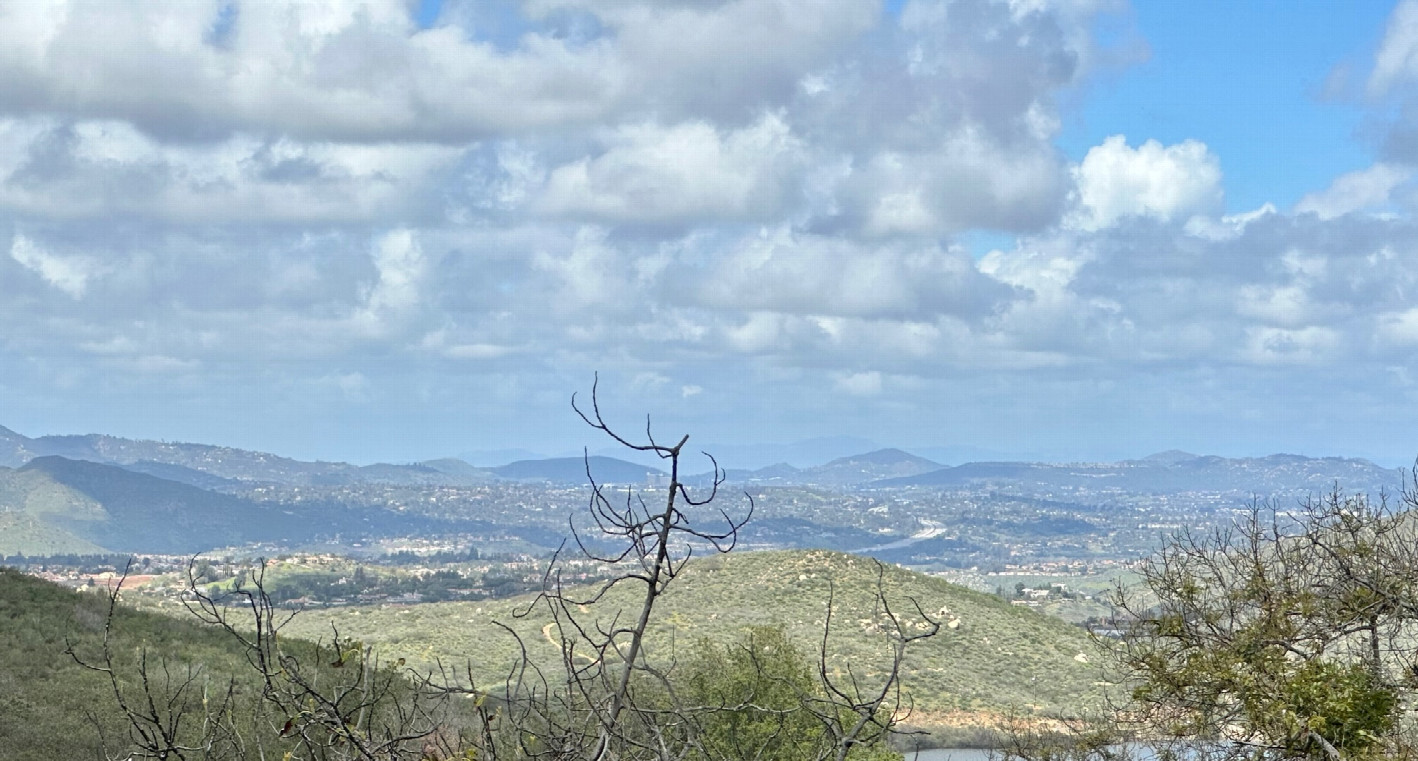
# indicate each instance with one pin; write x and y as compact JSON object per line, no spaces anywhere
{"x":950,"y":754}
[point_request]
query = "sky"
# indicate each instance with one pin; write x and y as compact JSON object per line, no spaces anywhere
{"x":977,"y":229}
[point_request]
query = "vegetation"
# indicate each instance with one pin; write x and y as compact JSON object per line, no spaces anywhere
{"x":1289,"y":635}
{"x":990,"y":656}
{"x":764,"y":679}
{"x":51,"y":707}
{"x":1285,"y":636}
{"x":609,"y":693}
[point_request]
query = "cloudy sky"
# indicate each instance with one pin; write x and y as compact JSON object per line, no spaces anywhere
{"x":395,"y":230}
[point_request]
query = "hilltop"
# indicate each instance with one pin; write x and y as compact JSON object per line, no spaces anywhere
{"x":990,"y":656}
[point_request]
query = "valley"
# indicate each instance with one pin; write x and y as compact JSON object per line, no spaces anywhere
{"x":430,"y":562}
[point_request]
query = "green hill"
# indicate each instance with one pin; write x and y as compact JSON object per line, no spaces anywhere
{"x":74,"y":506}
{"x":990,"y":657}
{"x":52,"y":708}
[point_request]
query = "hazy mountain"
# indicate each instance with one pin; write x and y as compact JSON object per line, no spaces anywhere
{"x":183,"y":474}
{"x":872,"y":466}
{"x":1171,"y":457}
{"x":55,"y":505}
{"x":1171,"y":472}
{"x":123,"y":511}
{"x":12,"y":448}
{"x":572,"y":470}
{"x":489,"y":458}
{"x":229,"y":466}
{"x":851,"y":470}
{"x":801,"y":454}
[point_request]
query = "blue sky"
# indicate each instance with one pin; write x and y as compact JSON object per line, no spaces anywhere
{"x":390,"y":230}
{"x":1250,"y":79}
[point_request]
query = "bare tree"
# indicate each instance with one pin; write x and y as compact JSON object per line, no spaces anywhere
{"x":335,"y":700}
{"x":165,"y":716}
{"x":613,"y":693}
{"x":856,"y":711}
{"x":597,"y":710}
{"x":614,"y":699}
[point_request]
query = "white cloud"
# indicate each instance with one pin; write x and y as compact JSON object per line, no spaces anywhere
{"x":1268,"y":346}
{"x":402,"y":267}
{"x":687,"y":172}
{"x":967,"y":179}
{"x":97,"y":169}
{"x":719,"y":195}
{"x":1397,"y":57}
{"x":722,"y":60}
{"x":783,"y":271}
{"x":356,"y":71}
{"x":1355,"y":191}
{"x":1165,"y":183}
{"x":1229,"y":226}
{"x":860,"y":384}
{"x":1399,"y":328}
{"x":69,"y":274}
{"x":352,"y":386}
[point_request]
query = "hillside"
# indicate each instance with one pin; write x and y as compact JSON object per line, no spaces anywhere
{"x":57,"y":505}
{"x":989,"y":657}
{"x":46,"y":699}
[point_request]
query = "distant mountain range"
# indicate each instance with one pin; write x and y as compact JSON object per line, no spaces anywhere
{"x":72,"y":494}
{"x":1170,"y":473}
{"x":217,"y":468}
{"x":198,"y":463}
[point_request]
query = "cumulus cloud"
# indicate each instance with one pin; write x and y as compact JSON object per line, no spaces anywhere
{"x":1396,"y":60}
{"x":1355,"y":191}
{"x":689,"y":196}
{"x":351,"y":71}
{"x":1166,"y":183}
{"x":722,"y":60}
{"x":401,"y":265}
{"x":1391,"y":86}
{"x":966,"y":180}
{"x":68,"y":274}
{"x":96,"y":169}
{"x":860,"y":384}
{"x":783,"y":271}
{"x":688,"y":172}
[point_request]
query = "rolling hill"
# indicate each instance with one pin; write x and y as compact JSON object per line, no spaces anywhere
{"x":990,"y":656}
{"x":54,"y":505}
